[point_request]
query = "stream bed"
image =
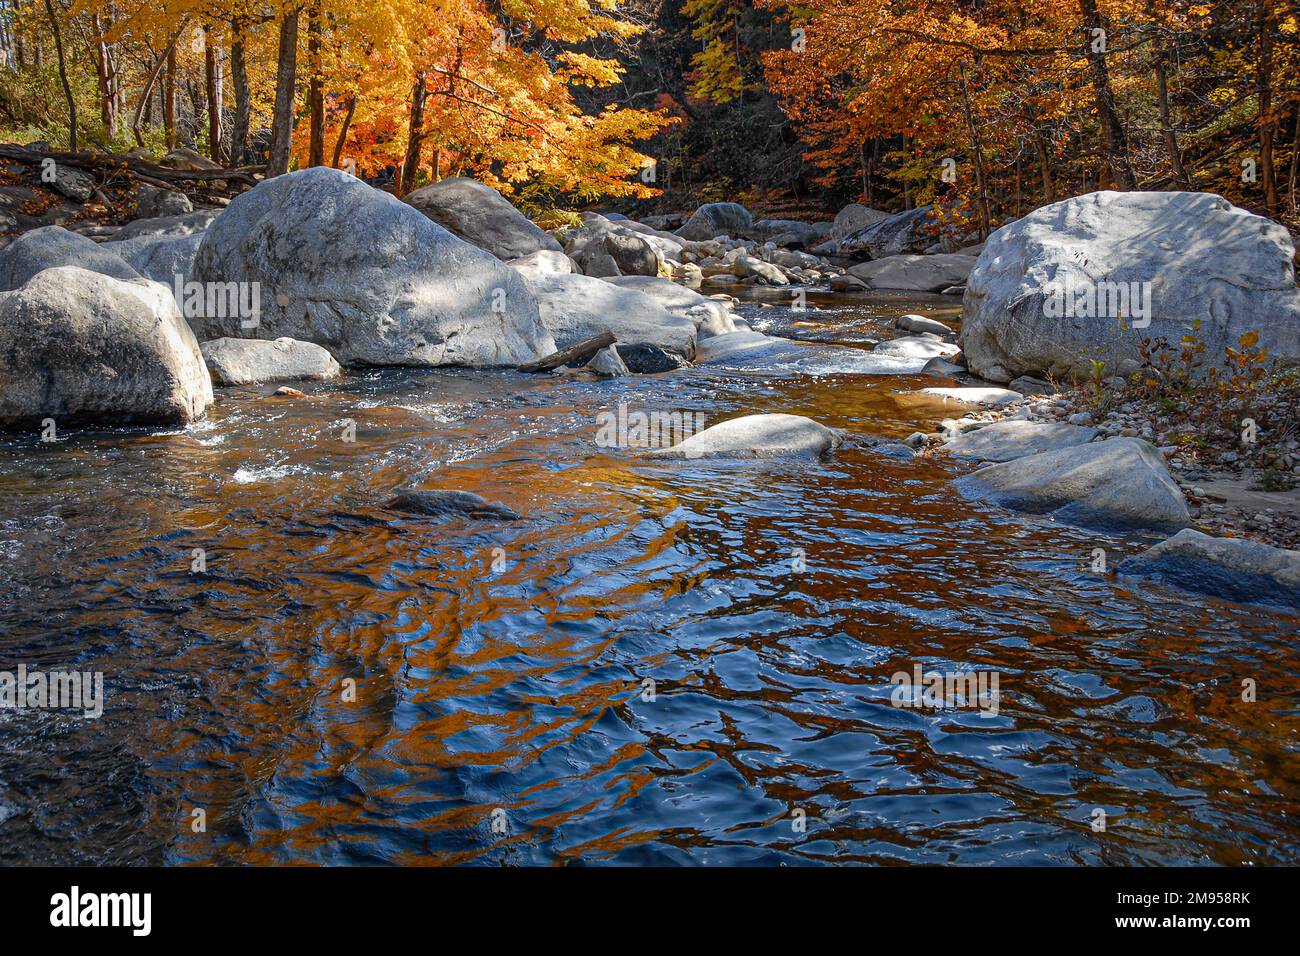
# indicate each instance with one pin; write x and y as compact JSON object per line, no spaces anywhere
{"x":664,"y":662}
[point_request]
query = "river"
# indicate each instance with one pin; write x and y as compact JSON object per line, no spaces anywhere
{"x":662,"y":663}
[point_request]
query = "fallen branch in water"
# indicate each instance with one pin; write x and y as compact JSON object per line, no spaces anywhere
{"x":579,"y":353}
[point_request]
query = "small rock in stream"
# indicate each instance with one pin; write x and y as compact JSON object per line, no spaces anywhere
{"x":438,"y":502}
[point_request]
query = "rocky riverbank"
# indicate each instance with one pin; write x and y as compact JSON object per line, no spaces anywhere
{"x":1082,"y":315}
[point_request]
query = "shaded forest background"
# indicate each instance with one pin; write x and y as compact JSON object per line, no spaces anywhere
{"x":986,"y":109}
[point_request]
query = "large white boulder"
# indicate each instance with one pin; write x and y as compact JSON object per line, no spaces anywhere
{"x":479,"y":214}
{"x":1115,"y":484}
{"x":349,"y":267}
{"x":914,"y":273}
{"x":52,"y":246}
{"x":576,"y":307}
{"x":85,"y":348}
{"x":1183,"y":259}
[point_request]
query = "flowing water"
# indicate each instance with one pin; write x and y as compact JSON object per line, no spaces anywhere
{"x":664,"y":662}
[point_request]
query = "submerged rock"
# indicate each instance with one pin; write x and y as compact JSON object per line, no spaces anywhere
{"x":757,"y":436}
{"x":480,"y":215}
{"x":650,"y":359}
{"x":350,"y":267}
{"x":1114,"y":484}
{"x":973,"y":395}
{"x":1234,"y":569}
{"x":82,"y":347}
{"x":1011,"y":439}
{"x":436,"y":502}
{"x":257,"y":361}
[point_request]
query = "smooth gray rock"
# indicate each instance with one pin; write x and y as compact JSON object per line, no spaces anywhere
{"x":633,"y":255}
{"x":160,"y":258}
{"x":1028,"y":385}
{"x":1116,"y":484}
{"x":437,"y":503}
{"x":607,"y":363}
{"x":757,"y":436}
{"x":914,"y":273}
{"x":896,"y":235}
{"x":1014,"y":438}
{"x":575,"y":307}
{"x":186,"y":224}
{"x":1204,"y":259}
{"x":919,"y":323}
{"x":750,"y":267}
{"x":717,"y":219}
{"x":479,"y":214}
{"x":154,"y":202}
{"x":351,"y":268}
{"x":257,"y":361}
{"x":52,"y":246}
{"x":85,"y":348}
{"x":1234,"y":569}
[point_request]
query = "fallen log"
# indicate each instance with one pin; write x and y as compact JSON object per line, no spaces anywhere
{"x":144,"y":170}
{"x":579,"y":353}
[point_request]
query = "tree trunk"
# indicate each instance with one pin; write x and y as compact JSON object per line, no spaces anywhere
{"x":981,"y":182}
{"x":315,"y":91}
{"x":243,"y":97}
{"x":343,"y":132}
{"x":214,"y":75}
{"x":1267,"y":125}
{"x":63,"y":77}
{"x":106,"y":73}
{"x":286,"y":72}
{"x":416,"y":137}
{"x":169,"y":97}
{"x":1114,"y":137}
{"x":1166,"y":127}
{"x":1295,"y":163}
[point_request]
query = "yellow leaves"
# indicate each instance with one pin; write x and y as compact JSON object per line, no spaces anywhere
{"x":1249,"y":340}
